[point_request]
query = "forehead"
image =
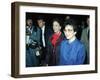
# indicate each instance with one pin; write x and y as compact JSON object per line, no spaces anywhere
{"x":40,"y":20}
{"x":68,"y":27}
{"x":55,"y":22}
{"x":29,"y":20}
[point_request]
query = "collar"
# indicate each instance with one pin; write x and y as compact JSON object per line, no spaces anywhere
{"x":30,"y":27}
{"x":43,"y":28}
{"x":71,"y":40}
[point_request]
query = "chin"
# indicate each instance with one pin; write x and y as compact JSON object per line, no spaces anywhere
{"x":55,"y":31}
{"x":68,"y":38}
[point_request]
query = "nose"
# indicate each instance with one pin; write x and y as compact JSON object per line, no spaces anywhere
{"x":66,"y":33}
{"x":30,"y":23}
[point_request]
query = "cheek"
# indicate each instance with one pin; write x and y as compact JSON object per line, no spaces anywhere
{"x":66,"y":34}
{"x":40,"y":24}
{"x":58,"y":28}
{"x":54,"y":27}
{"x":69,"y":34}
{"x":72,"y":35}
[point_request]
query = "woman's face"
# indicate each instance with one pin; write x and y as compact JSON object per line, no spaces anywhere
{"x":56,"y":27}
{"x":69,"y":32}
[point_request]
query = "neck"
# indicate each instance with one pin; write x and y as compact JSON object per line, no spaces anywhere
{"x":57,"y":32}
{"x":30,"y":26}
{"x":43,"y":27}
{"x":72,"y":39}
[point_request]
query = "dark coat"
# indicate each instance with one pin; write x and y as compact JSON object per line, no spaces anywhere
{"x":47,"y":33}
{"x":85,"y":40}
{"x":52,"y":57}
{"x":31,"y":58}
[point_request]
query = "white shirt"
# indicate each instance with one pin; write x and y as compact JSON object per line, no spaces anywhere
{"x":43,"y":38}
{"x":71,"y":40}
{"x":28,"y":36}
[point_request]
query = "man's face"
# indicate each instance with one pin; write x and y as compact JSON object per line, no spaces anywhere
{"x":40,"y":23}
{"x":69,"y":32}
{"x":29,"y":22}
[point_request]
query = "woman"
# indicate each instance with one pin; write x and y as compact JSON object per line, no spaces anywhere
{"x":53,"y":47}
{"x":72,"y":50}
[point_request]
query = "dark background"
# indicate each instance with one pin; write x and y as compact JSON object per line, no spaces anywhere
{"x":48,"y":17}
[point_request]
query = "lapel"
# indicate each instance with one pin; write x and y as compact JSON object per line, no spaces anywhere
{"x":33,"y":34}
{"x":59,"y":40}
{"x":45,"y":32}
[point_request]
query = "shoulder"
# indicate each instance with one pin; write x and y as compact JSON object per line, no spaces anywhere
{"x":64,"y":42}
{"x":38,"y":28}
{"x":62,"y":34}
{"x":79,"y":43}
{"x":61,"y":37}
{"x":84,"y":30}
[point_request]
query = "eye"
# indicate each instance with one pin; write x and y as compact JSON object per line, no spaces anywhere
{"x":70,"y":30}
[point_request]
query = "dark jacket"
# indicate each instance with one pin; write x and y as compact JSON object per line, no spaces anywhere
{"x":34,"y":38}
{"x":47,"y":33}
{"x":85,"y":40}
{"x":52,"y":57}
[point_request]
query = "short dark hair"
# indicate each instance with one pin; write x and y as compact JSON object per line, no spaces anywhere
{"x":72,"y":23}
{"x":57,"y":20}
{"x":41,"y":18}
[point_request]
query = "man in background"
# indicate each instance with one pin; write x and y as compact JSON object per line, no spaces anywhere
{"x":85,"y":39}
{"x":32,"y":44}
{"x":46,"y":32}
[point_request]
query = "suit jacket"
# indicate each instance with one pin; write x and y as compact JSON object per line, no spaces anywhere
{"x":47,"y":33}
{"x":85,"y":40}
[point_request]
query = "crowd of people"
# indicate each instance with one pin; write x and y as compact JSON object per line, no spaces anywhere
{"x":56,"y":45}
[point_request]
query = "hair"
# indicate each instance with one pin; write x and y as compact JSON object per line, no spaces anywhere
{"x":57,"y":20}
{"x":72,"y":23}
{"x":28,"y":20}
{"x":35,"y":28}
{"x":41,"y":18}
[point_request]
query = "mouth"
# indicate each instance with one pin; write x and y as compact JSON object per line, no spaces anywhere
{"x":67,"y":36}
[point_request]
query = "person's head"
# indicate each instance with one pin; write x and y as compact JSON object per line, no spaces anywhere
{"x":70,"y":29}
{"x":29,"y":22}
{"x":88,"y":21}
{"x":56,"y":25}
{"x":40,"y":21}
{"x":67,"y":17}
